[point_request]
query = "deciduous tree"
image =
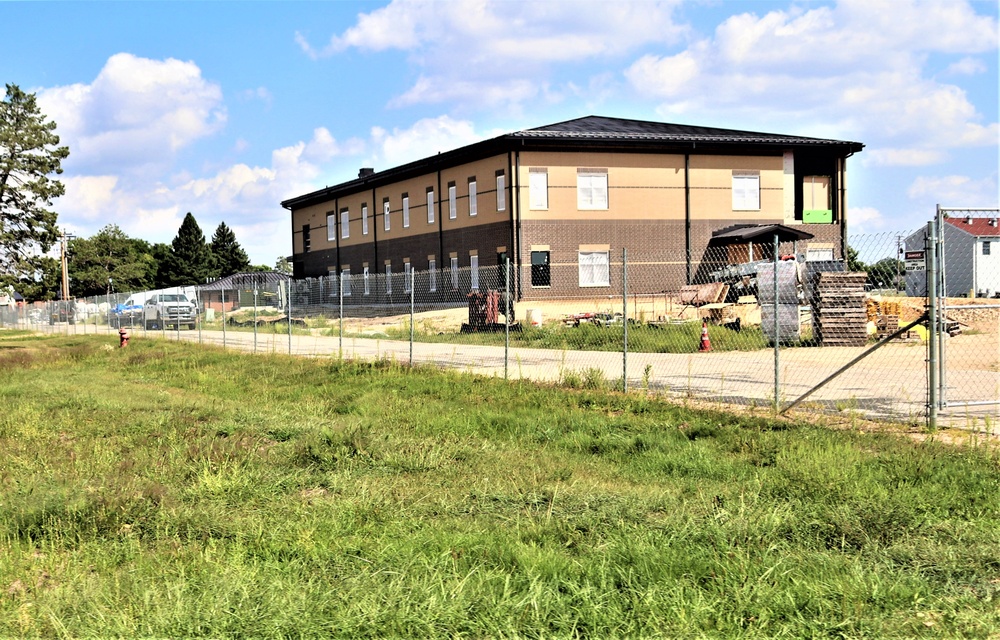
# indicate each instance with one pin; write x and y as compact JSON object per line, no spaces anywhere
{"x":29,"y":155}
{"x":110,"y":260}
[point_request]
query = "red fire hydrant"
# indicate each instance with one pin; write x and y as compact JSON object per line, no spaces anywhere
{"x":123,"y":337}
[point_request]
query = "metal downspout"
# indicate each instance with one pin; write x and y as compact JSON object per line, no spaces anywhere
{"x":514,"y":169}
{"x":687,"y":214}
{"x":375,"y":264}
{"x":440,"y":222}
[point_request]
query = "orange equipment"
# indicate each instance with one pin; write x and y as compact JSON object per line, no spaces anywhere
{"x":706,"y":344}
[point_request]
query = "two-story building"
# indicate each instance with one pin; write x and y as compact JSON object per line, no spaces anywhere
{"x":563,"y":200}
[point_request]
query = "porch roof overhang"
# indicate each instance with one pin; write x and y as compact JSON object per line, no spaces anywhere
{"x":758,"y":233}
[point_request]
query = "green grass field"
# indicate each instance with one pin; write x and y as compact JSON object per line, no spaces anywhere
{"x":168,"y":489}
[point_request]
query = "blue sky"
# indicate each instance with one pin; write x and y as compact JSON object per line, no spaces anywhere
{"x":224,"y":109}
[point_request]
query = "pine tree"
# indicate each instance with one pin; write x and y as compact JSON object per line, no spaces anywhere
{"x":229,"y":256}
{"x":190,"y":259}
{"x":28,"y":156}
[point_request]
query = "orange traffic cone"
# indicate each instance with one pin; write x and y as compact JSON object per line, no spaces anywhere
{"x":706,"y":344}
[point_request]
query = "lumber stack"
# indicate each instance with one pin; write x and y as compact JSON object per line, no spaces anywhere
{"x":840,"y":309}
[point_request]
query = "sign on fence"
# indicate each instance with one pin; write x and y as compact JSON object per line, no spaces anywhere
{"x":915,"y":261}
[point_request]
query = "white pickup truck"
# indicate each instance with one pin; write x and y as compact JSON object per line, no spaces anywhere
{"x":164,"y":310}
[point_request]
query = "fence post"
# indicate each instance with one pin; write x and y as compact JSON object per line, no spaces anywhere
{"x":624,"y":320}
{"x":777,"y":336}
{"x":507,"y":313}
{"x":942,"y":309}
{"x":930,"y":253}
{"x":288,"y":307}
{"x":340,"y":342}
{"x":199,"y":312}
{"x":412,"y":289}
{"x":177,"y":323}
{"x":254,"y":283}
{"x":223,"y":317}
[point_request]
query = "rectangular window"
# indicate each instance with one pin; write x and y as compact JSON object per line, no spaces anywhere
{"x":538,"y":188}
{"x":430,"y":206}
{"x":368,"y":288}
{"x":385,"y":213}
{"x":331,"y":227}
{"x":474,"y":272}
{"x":501,"y":191}
{"x":345,"y":224}
{"x":364,"y":219}
{"x":345,"y":281}
{"x":388,"y":278}
{"x":432,"y":275}
{"x":540,"y":269}
{"x":746,"y":191}
{"x":407,"y":274}
{"x":452,"y":203}
{"x":595,"y":268}
{"x":406,"y":211}
{"x":473,"y":201}
{"x":454,"y":273}
{"x":986,"y":247}
{"x":591,"y":189}
{"x":306,"y":242}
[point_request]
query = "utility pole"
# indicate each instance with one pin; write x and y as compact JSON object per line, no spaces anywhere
{"x":63,"y":239}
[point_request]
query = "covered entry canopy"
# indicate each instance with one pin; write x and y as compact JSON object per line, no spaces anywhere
{"x":743,"y":234}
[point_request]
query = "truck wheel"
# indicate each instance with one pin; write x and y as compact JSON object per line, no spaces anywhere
{"x":192,"y":326}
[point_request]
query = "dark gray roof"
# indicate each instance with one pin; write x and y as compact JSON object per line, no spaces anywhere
{"x":243,"y":280}
{"x":759,"y":233}
{"x":590,"y":133}
{"x":602,"y":128}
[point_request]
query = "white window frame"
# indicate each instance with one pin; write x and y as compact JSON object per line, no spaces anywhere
{"x":538,"y":189}
{"x":474,"y":273}
{"x":407,"y":273}
{"x":388,"y":278}
{"x":746,"y":191}
{"x":594,"y":268}
{"x":592,"y":189}
{"x":345,"y":278}
{"x":345,"y":223}
{"x":331,"y":227}
{"x":385,"y":215}
{"x":501,"y":192}
{"x":406,"y":212}
{"x":430,"y":207}
{"x":473,"y":199}
{"x":452,"y":202}
{"x":454,"y":273}
{"x":432,"y":274}
{"x":368,"y":289}
{"x":364,"y":220}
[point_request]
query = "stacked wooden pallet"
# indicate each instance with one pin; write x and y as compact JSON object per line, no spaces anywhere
{"x":841,"y":311}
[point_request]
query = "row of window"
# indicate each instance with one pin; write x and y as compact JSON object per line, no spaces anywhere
{"x":408,"y":276}
{"x":345,"y":217}
{"x":591,"y":194}
{"x":592,"y":189}
{"x":593,"y":268}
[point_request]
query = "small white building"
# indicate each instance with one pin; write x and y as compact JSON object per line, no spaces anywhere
{"x":971,"y":258}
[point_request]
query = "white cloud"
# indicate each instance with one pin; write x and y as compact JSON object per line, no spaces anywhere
{"x":966,"y":67}
{"x":489,"y":52}
{"x":955,"y":191}
{"x":902,"y":157}
{"x":136,"y":112}
{"x":426,"y":137}
{"x":865,"y":220}
{"x":858,"y":65}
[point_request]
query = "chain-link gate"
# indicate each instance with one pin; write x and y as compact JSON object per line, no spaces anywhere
{"x":964,"y":345}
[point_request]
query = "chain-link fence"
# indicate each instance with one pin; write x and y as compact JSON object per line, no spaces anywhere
{"x":764,"y":323}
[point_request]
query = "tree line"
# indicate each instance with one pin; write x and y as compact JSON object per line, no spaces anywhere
{"x":109,"y":260}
